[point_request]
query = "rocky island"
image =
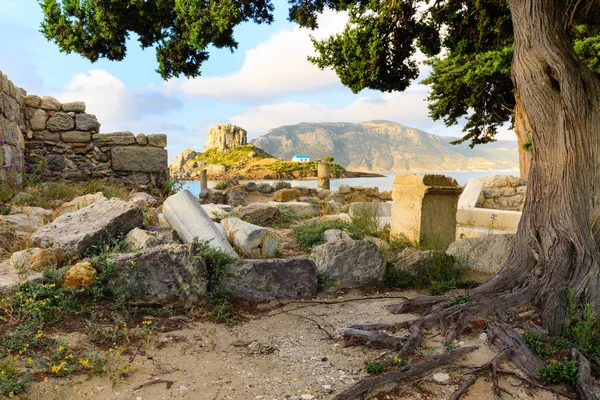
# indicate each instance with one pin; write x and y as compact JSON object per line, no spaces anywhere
{"x":228,"y":153}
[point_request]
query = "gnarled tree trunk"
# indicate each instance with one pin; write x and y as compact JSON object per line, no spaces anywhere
{"x":556,"y":247}
{"x":523,"y":132}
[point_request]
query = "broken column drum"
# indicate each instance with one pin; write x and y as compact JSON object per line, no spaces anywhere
{"x":189,"y":219}
{"x":323,"y":176}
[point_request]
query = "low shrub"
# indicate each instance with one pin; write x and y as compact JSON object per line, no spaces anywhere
{"x":310,"y":235}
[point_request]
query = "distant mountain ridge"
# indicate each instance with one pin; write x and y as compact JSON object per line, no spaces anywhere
{"x":383,"y":146}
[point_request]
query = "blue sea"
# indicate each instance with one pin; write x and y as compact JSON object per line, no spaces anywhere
{"x":384,"y":183}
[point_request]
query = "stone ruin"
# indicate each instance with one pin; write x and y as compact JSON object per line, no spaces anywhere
{"x":62,"y":141}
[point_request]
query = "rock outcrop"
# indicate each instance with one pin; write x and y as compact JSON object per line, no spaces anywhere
{"x":223,"y":137}
{"x":485,"y":254}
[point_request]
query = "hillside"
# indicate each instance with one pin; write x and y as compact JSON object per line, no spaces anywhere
{"x":383,"y":146}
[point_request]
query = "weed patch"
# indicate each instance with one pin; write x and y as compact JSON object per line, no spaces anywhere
{"x":311,"y":235}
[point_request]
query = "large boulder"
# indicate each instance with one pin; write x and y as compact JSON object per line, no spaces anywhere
{"x":190,"y":221}
{"x":484,"y":254}
{"x":166,"y":272}
{"x":251,"y":240}
{"x":259,"y":214}
{"x":77,"y":231}
{"x":223,"y":137}
{"x":273,"y":278}
{"x":350,"y":262}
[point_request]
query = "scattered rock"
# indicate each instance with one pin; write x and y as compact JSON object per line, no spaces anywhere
{"x":485,"y":254}
{"x":351,"y":262}
{"x":79,"y":276}
{"x":265,"y":188}
{"x":251,"y":240}
{"x":166,"y":272}
{"x":21,"y":259}
{"x":22,"y":198}
{"x":296,"y":209}
{"x":138,"y":239}
{"x":483,"y":337}
{"x":77,"y":231}
{"x":273,"y":278}
{"x":332,"y":235}
{"x":251,"y":186}
{"x":441,"y":377}
{"x":281,"y":185}
{"x":236,"y":195}
{"x":344,"y":189}
{"x":285,"y":195}
{"x":46,"y":257}
{"x":81,"y":202}
{"x":259,"y":213}
{"x":143,"y":199}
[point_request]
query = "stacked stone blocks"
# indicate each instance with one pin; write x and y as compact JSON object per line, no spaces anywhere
{"x":12,"y":127}
{"x":66,"y":142}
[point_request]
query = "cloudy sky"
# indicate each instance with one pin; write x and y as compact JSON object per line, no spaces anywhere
{"x":266,"y":83}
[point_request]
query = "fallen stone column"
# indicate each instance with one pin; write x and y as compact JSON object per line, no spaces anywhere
{"x":252,"y":240}
{"x":186,"y":216}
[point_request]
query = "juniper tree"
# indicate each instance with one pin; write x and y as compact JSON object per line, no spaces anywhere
{"x":551,"y":55}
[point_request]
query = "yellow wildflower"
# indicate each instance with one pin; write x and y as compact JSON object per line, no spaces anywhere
{"x":84,"y":362}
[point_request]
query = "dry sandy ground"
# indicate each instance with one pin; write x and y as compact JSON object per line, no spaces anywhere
{"x":281,"y":354}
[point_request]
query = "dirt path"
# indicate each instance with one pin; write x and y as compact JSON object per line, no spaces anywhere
{"x":279,"y":355}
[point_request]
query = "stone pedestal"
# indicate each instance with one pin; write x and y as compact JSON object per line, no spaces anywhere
{"x":424,"y":209}
{"x":203,"y":180}
{"x":323,"y":176}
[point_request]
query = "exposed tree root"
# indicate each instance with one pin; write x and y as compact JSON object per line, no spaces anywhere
{"x":453,"y":315}
{"x":583,"y":384}
{"x":463,"y":388}
{"x":370,"y":339}
{"x":370,"y":385}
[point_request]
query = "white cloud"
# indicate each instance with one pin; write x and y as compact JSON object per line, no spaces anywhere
{"x":7,"y":5}
{"x":274,"y":67}
{"x":117,"y":106}
{"x":408,"y":108}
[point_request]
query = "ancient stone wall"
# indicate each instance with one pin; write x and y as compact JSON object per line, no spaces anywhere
{"x":501,"y":192}
{"x":12,"y":128}
{"x":65,"y":142}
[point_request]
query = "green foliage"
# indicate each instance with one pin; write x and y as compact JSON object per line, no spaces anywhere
{"x":180,"y":30}
{"x":528,"y":145}
{"x":310,"y":235}
{"x":559,"y":372}
{"x":545,"y":346}
{"x":219,"y":296}
{"x":222,"y":185}
{"x":12,"y":381}
{"x":326,"y":281}
{"x":328,"y":159}
{"x":375,"y":368}
{"x":365,"y":220}
{"x":303,"y":169}
{"x":235,"y":157}
{"x":442,"y":274}
{"x":451,"y":347}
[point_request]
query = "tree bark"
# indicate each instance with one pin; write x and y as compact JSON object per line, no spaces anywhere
{"x":555,"y":249}
{"x":523,"y":132}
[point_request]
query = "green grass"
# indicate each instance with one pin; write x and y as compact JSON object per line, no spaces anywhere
{"x":53,"y":194}
{"x":442,"y":274}
{"x":310,"y":235}
{"x":236,"y":157}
